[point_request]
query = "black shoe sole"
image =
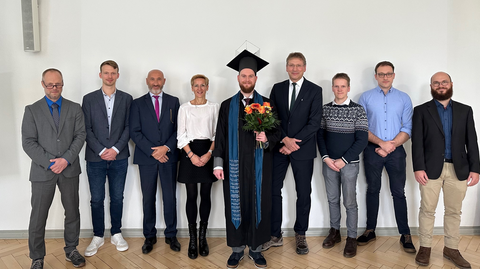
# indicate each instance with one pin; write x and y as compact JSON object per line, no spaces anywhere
{"x":349,"y":256}
{"x":302,"y":252}
{"x":408,"y":250}
{"x":365,"y":243}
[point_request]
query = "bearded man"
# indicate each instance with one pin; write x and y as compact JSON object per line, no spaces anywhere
{"x":445,"y":156}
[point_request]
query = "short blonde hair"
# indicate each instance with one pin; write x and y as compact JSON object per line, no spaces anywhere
{"x":199,"y":76}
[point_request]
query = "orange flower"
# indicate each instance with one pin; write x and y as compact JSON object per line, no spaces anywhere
{"x":261,"y":109}
{"x":267,"y":104}
{"x":248,"y":110}
{"x":255,"y":106}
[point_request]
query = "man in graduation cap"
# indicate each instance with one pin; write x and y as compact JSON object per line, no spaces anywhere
{"x":245,"y":169}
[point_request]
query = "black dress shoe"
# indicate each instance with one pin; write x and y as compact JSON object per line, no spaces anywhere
{"x":173,"y":242}
{"x":148,"y":245}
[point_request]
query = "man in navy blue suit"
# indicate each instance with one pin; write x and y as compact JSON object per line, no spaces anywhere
{"x":106,"y":113}
{"x":153,"y":128}
{"x":299,"y":106}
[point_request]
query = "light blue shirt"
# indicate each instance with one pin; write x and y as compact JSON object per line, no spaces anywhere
{"x":387,"y":114}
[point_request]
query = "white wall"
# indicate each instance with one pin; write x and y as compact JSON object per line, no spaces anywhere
{"x":185,"y":37}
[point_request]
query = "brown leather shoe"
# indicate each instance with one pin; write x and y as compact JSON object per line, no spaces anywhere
{"x":350,"y":248}
{"x":423,"y":256}
{"x":301,"y":243}
{"x":455,"y":256}
{"x":332,"y":238}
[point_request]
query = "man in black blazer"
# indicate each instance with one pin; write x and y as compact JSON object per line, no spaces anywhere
{"x":53,"y":133}
{"x":106,"y":121}
{"x":445,"y":155}
{"x":299,"y":106}
{"x":153,"y":128}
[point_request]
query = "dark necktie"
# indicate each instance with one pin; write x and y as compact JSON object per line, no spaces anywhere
{"x":247,"y":101}
{"x":157,"y":107}
{"x":55,"y":115}
{"x":294,"y":94}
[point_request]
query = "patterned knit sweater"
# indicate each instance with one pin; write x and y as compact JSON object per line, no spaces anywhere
{"x":343,"y":132}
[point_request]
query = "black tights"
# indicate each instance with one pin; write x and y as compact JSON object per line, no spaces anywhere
{"x":205,"y":202}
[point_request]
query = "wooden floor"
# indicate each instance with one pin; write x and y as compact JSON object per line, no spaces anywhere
{"x":385,"y":252}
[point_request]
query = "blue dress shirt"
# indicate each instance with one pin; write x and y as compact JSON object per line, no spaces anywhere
{"x":446,"y":116}
{"x":387,"y":114}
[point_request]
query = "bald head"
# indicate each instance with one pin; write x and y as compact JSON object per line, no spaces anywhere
{"x":155,"y":81}
{"x":439,"y":77}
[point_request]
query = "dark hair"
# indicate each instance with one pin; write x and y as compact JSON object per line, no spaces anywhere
{"x":298,"y":55}
{"x":384,"y":63}
{"x":341,"y":76}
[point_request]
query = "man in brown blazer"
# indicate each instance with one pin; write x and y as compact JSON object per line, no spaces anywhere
{"x":53,"y":133}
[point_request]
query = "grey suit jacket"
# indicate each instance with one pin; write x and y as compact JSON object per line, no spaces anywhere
{"x":96,"y":125}
{"x":42,"y":142}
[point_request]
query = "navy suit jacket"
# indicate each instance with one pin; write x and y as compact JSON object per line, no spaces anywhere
{"x":147,"y":132}
{"x":303,"y":121}
{"x":428,"y":141}
{"x":96,"y":124}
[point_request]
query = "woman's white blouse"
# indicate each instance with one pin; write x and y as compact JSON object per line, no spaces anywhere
{"x":196,"y":122}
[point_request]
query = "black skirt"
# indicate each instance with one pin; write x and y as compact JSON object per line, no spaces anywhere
{"x":189,"y":173}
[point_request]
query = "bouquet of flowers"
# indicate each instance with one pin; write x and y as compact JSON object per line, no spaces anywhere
{"x":260,"y":118}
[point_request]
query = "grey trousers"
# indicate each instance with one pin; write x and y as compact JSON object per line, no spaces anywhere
{"x":337,"y":183}
{"x":42,"y":197}
{"x":242,"y":248}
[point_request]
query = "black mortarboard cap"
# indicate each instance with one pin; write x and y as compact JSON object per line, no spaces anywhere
{"x":246,"y":59}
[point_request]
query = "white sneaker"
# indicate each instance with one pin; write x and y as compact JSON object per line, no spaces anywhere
{"x":96,"y":243}
{"x":117,"y":240}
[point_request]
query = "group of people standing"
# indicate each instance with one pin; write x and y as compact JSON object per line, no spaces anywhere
{"x":214,"y":146}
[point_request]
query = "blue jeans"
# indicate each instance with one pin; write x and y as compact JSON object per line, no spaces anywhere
{"x":97,"y":172}
{"x":395,"y":164}
{"x":342,"y":183}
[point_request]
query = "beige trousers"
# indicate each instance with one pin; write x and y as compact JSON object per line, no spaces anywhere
{"x":453,"y":193}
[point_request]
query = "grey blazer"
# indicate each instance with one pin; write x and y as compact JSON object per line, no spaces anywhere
{"x":96,"y":125}
{"x":42,"y":142}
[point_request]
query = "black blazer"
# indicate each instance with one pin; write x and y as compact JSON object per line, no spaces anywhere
{"x":147,"y":132}
{"x":303,"y":121}
{"x":428,"y":140}
{"x":96,"y":125}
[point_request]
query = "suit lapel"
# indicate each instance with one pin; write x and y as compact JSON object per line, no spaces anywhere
{"x":100,"y":99}
{"x":150,"y":107}
{"x":455,"y":111}
{"x":432,"y":109}
{"x":116,"y":104}
{"x":300,"y":96}
{"x":165,"y":112}
{"x":63,"y":115}
{"x":46,"y":111}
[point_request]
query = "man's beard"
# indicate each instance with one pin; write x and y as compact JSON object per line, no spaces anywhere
{"x":442,"y":96}
{"x":247,"y":90}
{"x":155,"y":91}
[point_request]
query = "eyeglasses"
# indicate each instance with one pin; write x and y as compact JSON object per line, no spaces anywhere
{"x":295,"y":66}
{"x":51,"y":86}
{"x":382,"y":75}
{"x":443,"y":83}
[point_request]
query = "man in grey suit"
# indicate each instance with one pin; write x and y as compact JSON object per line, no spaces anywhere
{"x":106,"y":121}
{"x":53,"y":133}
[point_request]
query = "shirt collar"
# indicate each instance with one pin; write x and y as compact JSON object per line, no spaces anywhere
{"x":345,"y":103}
{"x":50,"y":102}
{"x":392,"y":89}
{"x":440,"y":104}
{"x":151,"y":94}
{"x":299,"y":82}
{"x":113,"y":94}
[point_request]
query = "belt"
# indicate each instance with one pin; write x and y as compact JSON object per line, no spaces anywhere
{"x":448,"y":160}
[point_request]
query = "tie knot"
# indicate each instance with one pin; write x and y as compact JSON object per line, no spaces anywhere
{"x":54,"y":105}
{"x":294,"y":84}
{"x":247,"y":101}
{"x":156,"y":96}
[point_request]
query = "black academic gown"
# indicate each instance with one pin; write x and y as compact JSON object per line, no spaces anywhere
{"x":247,"y":233}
